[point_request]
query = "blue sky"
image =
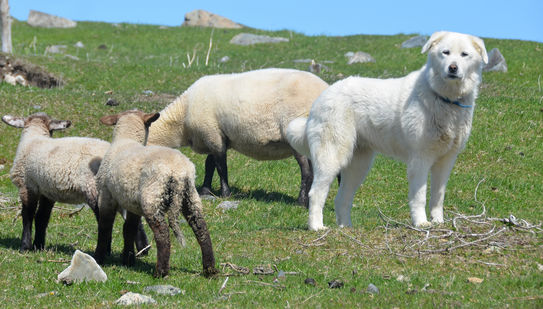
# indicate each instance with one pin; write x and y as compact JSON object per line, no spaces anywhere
{"x":513,"y":19}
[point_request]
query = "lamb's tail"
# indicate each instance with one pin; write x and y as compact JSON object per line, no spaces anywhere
{"x":174,"y":211}
{"x":296,"y":136}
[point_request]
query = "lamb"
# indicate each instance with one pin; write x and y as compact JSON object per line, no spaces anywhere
{"x":149,"y":181}
{"x":248,"y":112}
{"x":49,"y":170}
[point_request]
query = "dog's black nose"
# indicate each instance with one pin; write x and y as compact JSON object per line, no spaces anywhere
{"x":453,"y":68}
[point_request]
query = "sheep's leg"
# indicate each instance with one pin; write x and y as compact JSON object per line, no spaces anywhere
{"x":41,"y":221}
{"x":208,"y":178}
{"x":192,"y":211}
{"x":105,"y":227}
{"x":29,"y":202}
{"x":222,"y":170}
{"x":141,"y":239}
{"x":130,"y":228}
{"x":307,"y":178}
{"x":158,"y":224}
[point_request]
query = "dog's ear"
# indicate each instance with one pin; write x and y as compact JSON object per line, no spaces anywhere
{"x":434,"y":39}
{"x":480,"y":47}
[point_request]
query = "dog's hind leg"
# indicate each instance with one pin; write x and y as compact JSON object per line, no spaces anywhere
{"x":352,"y":177}
{"x":441,"y":171}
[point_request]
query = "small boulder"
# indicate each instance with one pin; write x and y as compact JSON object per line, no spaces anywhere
{"x":201,"y":18}
{"x":82,"y":268}
{"x":228,"y":205}
{"x":372,"y":289}
{"x":79,"y":44}
{"x":359,"y":57}
{"x":416,"y":41}
{"x":134,"y":299}
{"x":335,"y":284}
{"x":496,"y":62}
{"x":250,"y":39}
{"x":44,"y":20}
{"x":163,"y":290}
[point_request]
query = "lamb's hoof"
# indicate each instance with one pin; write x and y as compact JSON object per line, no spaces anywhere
{"x":205,"y":191}
{"x":210,"y":272}
{"x":423,"y":225}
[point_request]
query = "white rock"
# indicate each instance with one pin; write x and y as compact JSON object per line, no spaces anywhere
{"x":39,"y":19}
{"x":82,"y":268}
{"x":416,"y":41}
{"x":359,"y":57}
{"x":496,"y":62}
{"x":55,"y":49}
{"x":203,"y":18}
{"x":79,"y":44}
{"x":134,"y":299}
{"x":250,"y":39}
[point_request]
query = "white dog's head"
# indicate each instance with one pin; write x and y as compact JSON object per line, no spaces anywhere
{"x":455,"y":61}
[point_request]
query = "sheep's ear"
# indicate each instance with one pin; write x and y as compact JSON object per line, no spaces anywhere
{"x":55,"y":125}
{"x":480,"y":47}
{"x":110,"y":120}
{"x":18,"y":122}
{"x":150,"y":118}
{"x":434,"y":39}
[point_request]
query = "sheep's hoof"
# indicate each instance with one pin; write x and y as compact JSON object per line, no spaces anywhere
{"x":205,"y":191}
{"x":129,"y":259}
{"x":210,"y":272}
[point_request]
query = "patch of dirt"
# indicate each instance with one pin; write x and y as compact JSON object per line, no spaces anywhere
{"x":32,"y":74}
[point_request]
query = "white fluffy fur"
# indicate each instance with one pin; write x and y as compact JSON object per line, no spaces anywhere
{"x":402,"y":117}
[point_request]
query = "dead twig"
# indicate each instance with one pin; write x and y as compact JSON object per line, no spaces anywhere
{"x":223,"y":285}
{"x":142,"y":250}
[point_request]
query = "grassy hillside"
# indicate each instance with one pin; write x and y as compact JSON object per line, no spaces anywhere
{"x":502,"y":164}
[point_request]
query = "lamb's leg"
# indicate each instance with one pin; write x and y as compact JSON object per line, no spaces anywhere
{"x":307,"y":178}
{"x":208,"y":178}
{"x":141,"y":239}
{"x":105,"y":227}
{"x":29,"y":202}
{"x":158,"y":224}
{"x":41,"y":221}
{"x":222,"y":170}
{"x":192,"y":211}
{"x":130,"y":228}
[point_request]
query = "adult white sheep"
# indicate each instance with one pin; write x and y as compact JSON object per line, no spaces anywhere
{"x":149,"y":181}
{"x":248,"y":112}
{"x":47,"y":170}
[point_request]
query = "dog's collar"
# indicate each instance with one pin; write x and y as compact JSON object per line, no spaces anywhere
{"x":457,"y":102}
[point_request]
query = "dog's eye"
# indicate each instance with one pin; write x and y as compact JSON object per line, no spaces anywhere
{"x":464,"y":54}
{"x":446,"y":52}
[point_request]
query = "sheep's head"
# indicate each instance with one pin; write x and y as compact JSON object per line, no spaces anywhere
{"x":41,"y":120}
{"x":147,"y":119}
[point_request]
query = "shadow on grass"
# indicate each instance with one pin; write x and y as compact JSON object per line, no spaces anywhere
{"x":261,"y":195}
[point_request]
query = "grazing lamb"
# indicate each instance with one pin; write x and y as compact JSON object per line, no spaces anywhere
{"x":149,"y":181}
{"x":49,"y":169}
{"x":248,"y":112}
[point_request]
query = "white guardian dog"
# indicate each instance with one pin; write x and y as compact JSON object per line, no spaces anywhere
{"x":423,"y":119}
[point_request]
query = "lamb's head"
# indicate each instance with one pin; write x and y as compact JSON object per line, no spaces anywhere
{"x":37,"y":122}
{"x":133,"y":124}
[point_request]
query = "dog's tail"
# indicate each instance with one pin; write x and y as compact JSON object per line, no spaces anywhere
{"x":296,"y":136}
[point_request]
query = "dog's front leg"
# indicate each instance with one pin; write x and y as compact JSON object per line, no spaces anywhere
{"x":441,"y":171}
{"x":417,"y":174}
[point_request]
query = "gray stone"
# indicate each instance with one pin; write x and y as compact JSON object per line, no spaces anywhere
{"x":164,"y":290}
{"x":201,"y":18}
{"x":227,"y":205}
{"x":82,"y":268}
{"x":250,"y":39}
{"x":55,"y":49}
{"x":416,"y":41}
{"x":130,"y":299}
{"x":208,"y":197}
{"x":224,"y":59}
{"x":335,"y":284}
{"x":359,"y":57}
{"x":372,"y":289}
{"x":496,"y":62}
{"x":79,"y":44}
{"x":44,"y":20}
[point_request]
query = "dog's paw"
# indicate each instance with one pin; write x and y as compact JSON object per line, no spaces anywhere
{"x":437,"y":221}
{"x":317,"y":227}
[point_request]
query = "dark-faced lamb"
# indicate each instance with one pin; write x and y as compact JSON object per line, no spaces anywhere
{"x":48,"y":170}
{"x":248,"y":112}
{"x":150,"y":181}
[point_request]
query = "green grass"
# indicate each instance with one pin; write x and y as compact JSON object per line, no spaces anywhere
{"x":267,"y":228}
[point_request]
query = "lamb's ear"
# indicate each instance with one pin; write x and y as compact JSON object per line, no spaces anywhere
{"x":433,"y":40}
{"x":109,"y":120}
{"x":150,"y":118}
{"x":480,"y":47}
{"x":55,"y":125}
{"x":18,"y":122}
